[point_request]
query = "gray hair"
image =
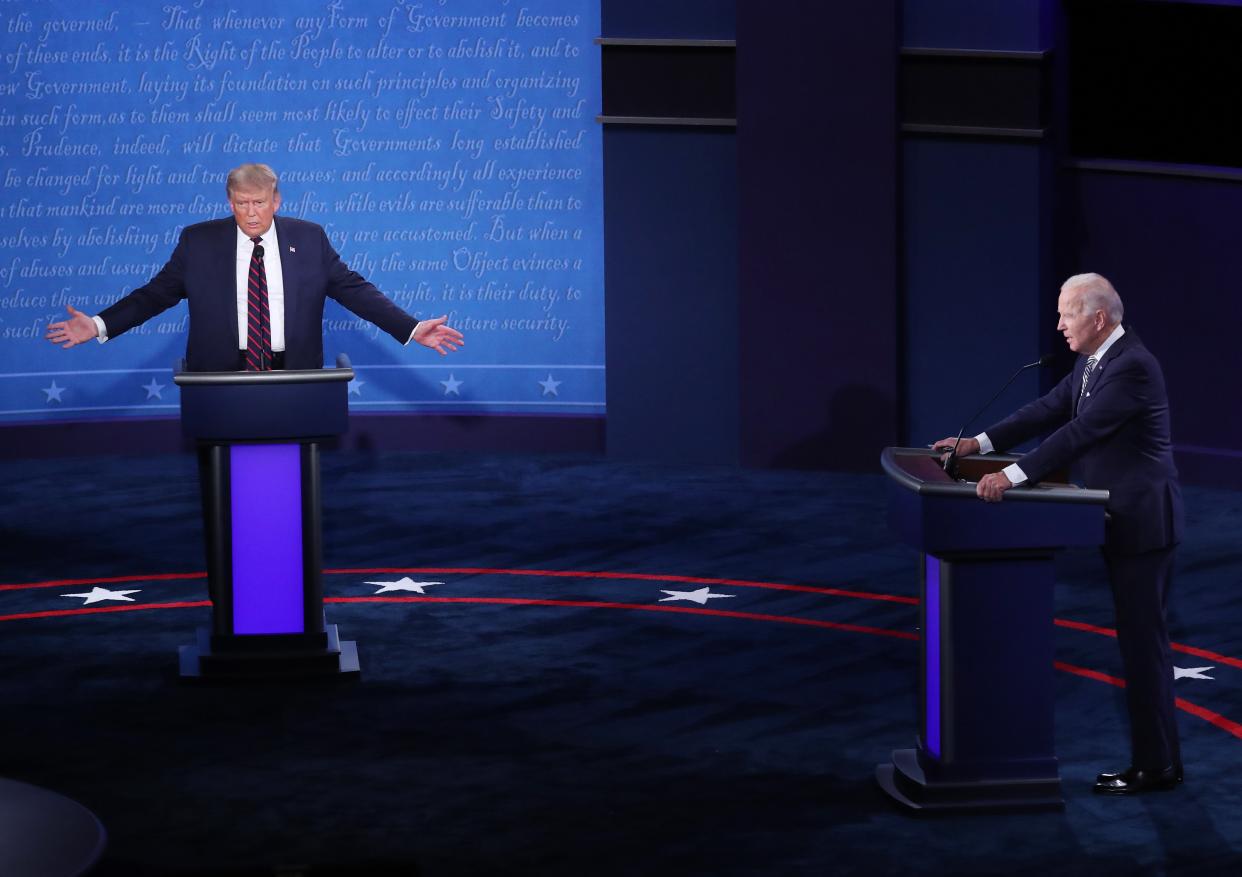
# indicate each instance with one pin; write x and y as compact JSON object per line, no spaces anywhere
{"x":251,"y":176}
{"x":1097,"y":294}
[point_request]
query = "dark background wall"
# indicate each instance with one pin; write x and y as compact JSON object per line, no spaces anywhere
{"x":1104,"y":170}
{"x":912,"y":186}
{"x":752,"y":294}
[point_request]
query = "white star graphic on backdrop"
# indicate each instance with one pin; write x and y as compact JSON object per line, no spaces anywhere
{"x":98,"y":595}
{"x":355,"y":387}
{"x":404,"y":584}
{"x":550,"y":385}
{"x":451,"y":385}
{"x":701,"y":596}
{"x":1191,"y":672}
{"x":53,"y":392}
{"x":153,"y":390}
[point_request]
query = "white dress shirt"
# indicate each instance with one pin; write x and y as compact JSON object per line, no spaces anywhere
{"x":275,"y":286}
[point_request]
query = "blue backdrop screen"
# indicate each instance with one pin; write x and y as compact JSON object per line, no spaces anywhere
{"x":448,"y":147}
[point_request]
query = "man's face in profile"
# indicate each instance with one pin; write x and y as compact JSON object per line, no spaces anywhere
{"x":254,"y":208}
{"x":1083,"y":329}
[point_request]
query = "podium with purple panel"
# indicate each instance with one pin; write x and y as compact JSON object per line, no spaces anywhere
{"x":258,"y":436}
{"x":986,"y":684}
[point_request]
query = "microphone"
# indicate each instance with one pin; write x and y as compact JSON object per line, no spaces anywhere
{"x":1046,"y":359}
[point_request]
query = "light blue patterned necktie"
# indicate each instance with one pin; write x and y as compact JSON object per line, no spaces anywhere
{"x":1092,"y":361}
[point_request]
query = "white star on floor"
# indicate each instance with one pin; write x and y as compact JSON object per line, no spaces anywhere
{"x":404,"y":584}
{"x":451,"y":385}
{"x":550,"y":385}
{"x":98,"y":595}
{"x":153,"y":390}
{"x":701,"y":596}
{"x":355,"y":387}
{"x":1191,"y":672}
{"x":53,"y":392}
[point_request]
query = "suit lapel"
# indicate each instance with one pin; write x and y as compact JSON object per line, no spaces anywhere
{"x":1101,"y":367}
{"x":1079,"y":367}
{"x":226,"y":247}
{"x":289,"y":272}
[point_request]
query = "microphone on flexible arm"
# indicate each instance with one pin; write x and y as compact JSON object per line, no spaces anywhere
{"x":1046,"y":359}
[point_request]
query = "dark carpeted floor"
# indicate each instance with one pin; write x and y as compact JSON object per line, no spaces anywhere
{"x":510,"y":721}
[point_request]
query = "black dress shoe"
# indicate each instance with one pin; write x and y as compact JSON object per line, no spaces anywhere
{"x":1109,"y":776}
{"x":1134,"y":781}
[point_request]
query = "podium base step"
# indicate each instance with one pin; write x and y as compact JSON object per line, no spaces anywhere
{"x":905,"y":782}
{"x":338,"y":660}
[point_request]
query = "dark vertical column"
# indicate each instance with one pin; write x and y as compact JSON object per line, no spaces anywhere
{"x":670,"y":230}
{"x":977,"y":171}
{"x":817,"y":173}
{"x":214,"y":479}
{"x":312,"y":540}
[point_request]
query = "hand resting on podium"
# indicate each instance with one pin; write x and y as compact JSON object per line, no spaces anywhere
{"x":990,"y":487}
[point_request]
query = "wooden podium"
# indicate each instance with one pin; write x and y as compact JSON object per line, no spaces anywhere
{"x":986,"y":683}
{"x":258,"y":436}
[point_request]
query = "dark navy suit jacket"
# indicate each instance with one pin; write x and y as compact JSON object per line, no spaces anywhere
{"x":1119,"y":437}
{"x":202,"y":270}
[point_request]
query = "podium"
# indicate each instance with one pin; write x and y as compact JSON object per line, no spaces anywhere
{"x":258,"y":436}
{"x":986,"y":736}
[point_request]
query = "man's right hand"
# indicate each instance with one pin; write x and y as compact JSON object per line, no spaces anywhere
{"x":73,"y":331}
{"x":965,"y":447}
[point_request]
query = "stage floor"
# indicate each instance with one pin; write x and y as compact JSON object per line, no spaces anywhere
{"x":569,"y":666}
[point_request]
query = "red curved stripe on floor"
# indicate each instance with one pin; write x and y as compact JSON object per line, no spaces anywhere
{"x":1194,"y":709}
{"x":636,"y":576}
{"x":1089,"y":674}
{"x":1225,"y":724}
{"x":109,"y":580}
{"x":1209,"y":655}
{"x":1177,"y":647}
{"x":642,"y":607}
{"x":647,"y":577}
{"x":1207,"y":715}
{"x":1083,"y":626}
{"x":547,"y":573}
{"x":513,"y":601}
{"x":100,"y":610}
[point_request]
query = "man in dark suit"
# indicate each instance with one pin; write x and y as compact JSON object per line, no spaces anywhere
{"x":213,"y":267}
{"x":1110,"y":417}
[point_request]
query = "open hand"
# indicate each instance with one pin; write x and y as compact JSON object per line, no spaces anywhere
{"x":436,"y":335}
{"x":73,"y":331}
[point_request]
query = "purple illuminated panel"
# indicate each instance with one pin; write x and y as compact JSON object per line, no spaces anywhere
{"x":931,"y":655}
{"x":266,"y":494}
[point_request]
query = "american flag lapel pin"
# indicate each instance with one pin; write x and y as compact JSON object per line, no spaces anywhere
{"x":293,"y":249}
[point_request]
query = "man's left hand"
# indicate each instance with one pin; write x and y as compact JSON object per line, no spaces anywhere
{"x":992,"y":486}
{"x":437,"y":336}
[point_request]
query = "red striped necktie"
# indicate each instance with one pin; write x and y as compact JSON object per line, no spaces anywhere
{"x":258,"y":317}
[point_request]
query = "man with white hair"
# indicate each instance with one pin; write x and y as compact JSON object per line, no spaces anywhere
{"x":1110,"y":418}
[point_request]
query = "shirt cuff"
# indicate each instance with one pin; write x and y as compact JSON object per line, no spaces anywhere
{"x":103,"y":330}
{"x":985,"y":443}
{"x":412,"y":331}
{"x":1015,"y":474}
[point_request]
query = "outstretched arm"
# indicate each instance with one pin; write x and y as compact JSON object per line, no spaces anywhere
{"x":73,"y":331}
{"x":438,"y":336}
